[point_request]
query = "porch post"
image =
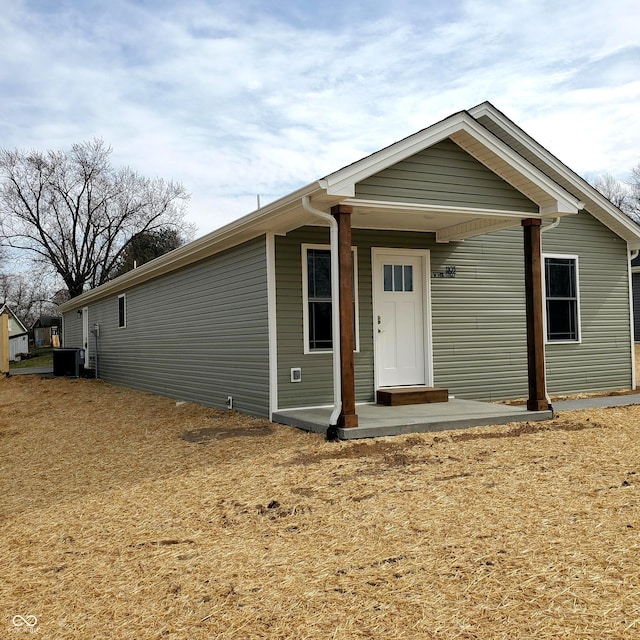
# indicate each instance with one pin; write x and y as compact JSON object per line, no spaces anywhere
{"x":348,"y":416}
{"x":537,"y":400}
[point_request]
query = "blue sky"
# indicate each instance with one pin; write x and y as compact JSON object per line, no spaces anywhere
{"x":242,"y":97}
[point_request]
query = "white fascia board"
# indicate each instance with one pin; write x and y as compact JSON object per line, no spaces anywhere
{"x":472,"y":228}
{"x":583,"y":187}
{"x":342,"y":182}
{"x":566,"y":202}
{"x":236,"y":232}
{"x":423,"y":209}
{"x":7,"y":309}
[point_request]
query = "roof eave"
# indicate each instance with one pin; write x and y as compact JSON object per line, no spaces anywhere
{"x":594,"y":201}
{"x":250,"y":226}
{"x":460,"y":127}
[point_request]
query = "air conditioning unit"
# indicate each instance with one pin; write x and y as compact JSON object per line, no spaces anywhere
{"x":68,"y":362}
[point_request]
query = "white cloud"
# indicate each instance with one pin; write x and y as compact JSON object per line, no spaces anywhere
{"x":235,"y":99}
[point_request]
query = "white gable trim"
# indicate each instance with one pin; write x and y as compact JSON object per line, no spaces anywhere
{"x":6,"y":309}
{"x":551,"y":197}
{"x":606,"y":210}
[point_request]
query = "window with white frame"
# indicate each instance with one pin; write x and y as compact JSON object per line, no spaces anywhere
{"x":562,"y":299}
{"x":122,"y":310}
{"x":317,"y":300}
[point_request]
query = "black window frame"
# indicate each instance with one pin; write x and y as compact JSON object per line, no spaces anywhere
{"x":562,"y":298}
{"x":318,"y":299}
{"x":122,"y":311}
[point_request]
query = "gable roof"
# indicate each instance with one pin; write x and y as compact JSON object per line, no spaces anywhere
{"x":597,"y":205}
{"x":483,"y":132}
{"x":479,"y":142}
{"x":46,"y":321}
{"x":6,"y":308}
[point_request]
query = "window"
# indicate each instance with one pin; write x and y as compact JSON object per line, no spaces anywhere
{"x":562,"y":299}
{"x":122,"y":311}
{"x":398,"y":277}
{"x":317,"y":309}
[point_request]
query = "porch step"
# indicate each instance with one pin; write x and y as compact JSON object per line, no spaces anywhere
{"x":411,"y":395}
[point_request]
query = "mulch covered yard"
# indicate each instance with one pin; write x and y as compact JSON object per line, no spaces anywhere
{"x":125,"y":515}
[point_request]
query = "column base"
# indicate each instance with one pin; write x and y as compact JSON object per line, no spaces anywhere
{"x":537,"y":405}
{"x":348,"y":421}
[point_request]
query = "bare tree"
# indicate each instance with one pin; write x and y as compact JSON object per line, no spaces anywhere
{"x":634,"y":193}
{"x":29,"y":296}
{"x":614,"y":190}
{"x":75,"y":212}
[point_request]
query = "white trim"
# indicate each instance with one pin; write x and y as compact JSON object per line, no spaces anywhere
{"x":268,"y":218}
{"x":123,"y":297}
{"x":272,"y":323}
{"x":11,"y":315}
{"x":472,"y":228}
{"x":342,"y":182}
{"x":419,"y":209}
{"x":564,"y":256}
{"x":286,"y":213}
{"x":85,"y":334}
{"x":584,"y":188}
{"x":335,"y":311}
{"x":304,"y":247}
{"x":425,"y":259}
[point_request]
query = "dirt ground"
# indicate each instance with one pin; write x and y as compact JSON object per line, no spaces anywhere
{"x":126,"y":515}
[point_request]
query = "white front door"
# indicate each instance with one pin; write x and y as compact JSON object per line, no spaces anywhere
{"x":401,"y":317}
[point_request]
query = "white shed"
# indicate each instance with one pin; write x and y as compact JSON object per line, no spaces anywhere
{"x":18,"y":344}
{"x":18,"y":334}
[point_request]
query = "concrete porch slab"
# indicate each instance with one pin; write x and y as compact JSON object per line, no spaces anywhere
{"x":376,"y":420}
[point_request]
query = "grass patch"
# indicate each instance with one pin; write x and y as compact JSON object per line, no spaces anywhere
{"x":42,"y":357}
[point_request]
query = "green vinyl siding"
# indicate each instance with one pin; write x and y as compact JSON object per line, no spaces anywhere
{"x":199,"y":333}
{"x":444,"y":175}
{"x":316,"y":386}
{"x":479,"y":322}
{"x":479,"y":344}
{"x":478,"y":317}
{"x":602,"y":360}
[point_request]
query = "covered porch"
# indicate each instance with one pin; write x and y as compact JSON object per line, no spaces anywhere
{"x":457,"y":182}
{"x":375,"y":420}
{"x":392,"y":190}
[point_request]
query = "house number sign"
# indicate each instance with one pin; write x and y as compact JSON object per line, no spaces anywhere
{"x":449,"y":272}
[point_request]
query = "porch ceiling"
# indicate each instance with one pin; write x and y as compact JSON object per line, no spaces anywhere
{"x":448,"y":223}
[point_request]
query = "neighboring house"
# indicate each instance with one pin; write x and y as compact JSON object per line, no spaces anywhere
{"x":470,"y":258}
{"x":44,"y":328}
{"x":635,"y":278}
{"x":18,"y":334}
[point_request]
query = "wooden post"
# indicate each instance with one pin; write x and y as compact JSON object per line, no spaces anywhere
{"x":537,"y":400}
{"x":348,"y":416}
{"x":4,"y":342}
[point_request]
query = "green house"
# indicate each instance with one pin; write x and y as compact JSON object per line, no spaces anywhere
{"x":465,"y":257}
